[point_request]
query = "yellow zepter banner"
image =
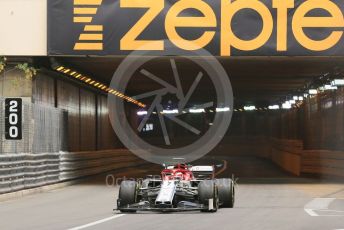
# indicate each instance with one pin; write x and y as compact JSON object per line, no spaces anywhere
{"x":223,"y":27}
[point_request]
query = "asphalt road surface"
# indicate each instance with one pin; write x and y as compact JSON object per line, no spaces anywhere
{"x":267,"y":198}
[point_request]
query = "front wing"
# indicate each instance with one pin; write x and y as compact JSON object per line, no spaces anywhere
{"x":146,"y":206}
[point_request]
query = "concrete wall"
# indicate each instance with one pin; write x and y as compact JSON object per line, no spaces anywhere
{"x":14,"y":84}
{"x":23,"y":27}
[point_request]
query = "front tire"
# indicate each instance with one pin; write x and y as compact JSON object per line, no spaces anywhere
{"x":127,"y":195}
{"x":207,"y":189}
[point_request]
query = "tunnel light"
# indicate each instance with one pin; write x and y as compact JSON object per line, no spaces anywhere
{"x":73,"y":73}
{"x":321,"y":89}
{"x":313,"y":92}
{"x":292,"y":102}
{"x":225,"y":109}
{"x":173,"y":111}
{"x":286,"y":105}
{"x":337,"y":82}
{"x":330,"y":87}
{"x":274,"y":107}
{"x":298,"y":98}
{"x":249,"y":108}
{"x":196,"y":110}
{"x":142,"y":113}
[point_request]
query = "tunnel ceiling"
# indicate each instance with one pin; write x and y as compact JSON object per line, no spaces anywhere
{"x":253,"y":78}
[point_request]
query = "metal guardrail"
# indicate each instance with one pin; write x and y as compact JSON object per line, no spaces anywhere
{"x":290,"y":155}
{"x":24,"y":171}
{"x":323,"y":162}
{"x":36,"y":160}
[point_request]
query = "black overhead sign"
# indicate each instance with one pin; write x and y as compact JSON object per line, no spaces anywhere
{"x":223,"y":27}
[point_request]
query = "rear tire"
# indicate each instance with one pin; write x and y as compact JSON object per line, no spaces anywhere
{"x":207,"y":189}
{"x":226,"y":192}
{"x":127,"y":194}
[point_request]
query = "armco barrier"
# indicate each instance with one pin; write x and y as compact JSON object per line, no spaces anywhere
{"x":323,"y":162}
{"x":290,"y":155}
{"x":24,"y":171}
{"x":287,"y":154}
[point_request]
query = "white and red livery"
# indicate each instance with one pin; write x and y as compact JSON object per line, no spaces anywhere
{"x":180,"y":187}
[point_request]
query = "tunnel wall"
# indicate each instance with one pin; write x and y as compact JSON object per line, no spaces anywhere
{"x":81,"y":113}
{"x":59,"y":139}
{"x":324,"y":121}
{"x":308,"y":139}
{"x":86,"y":112}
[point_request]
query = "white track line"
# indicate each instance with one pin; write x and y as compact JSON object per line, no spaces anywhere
{"x":97,"y":222}
{"x":310,"y":212}
{"x":317,"y":204}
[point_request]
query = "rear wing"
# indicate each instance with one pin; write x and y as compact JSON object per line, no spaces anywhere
{"x":203,"y":171}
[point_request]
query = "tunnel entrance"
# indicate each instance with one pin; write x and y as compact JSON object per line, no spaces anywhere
{"x":287,"y":110}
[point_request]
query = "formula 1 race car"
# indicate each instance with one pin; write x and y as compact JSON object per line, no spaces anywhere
{"x":180,"y":188}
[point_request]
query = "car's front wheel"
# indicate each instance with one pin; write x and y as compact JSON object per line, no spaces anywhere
{"x":127,"y":195}
{"x":207,"y":192}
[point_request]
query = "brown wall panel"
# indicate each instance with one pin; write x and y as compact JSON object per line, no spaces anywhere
{"x":68,"y":99}
{"x":339,"y":117}
{"x":324,"y":126}
{"x":106,"y":135}
{"x":43,"y":90}
{"x":319,"y":122}
{"x":88,"y":129}
{"x":88,"y":124}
